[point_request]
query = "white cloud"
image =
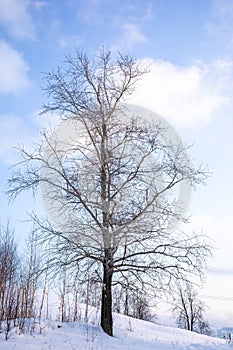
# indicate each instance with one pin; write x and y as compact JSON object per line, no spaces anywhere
{"x":131,"y":36}
{"x":16,"y":19}
{"x":185,"y":95}
{"x":13,"y":70}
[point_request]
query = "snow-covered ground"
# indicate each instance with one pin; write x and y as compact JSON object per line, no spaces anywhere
{"x":129,"y":334}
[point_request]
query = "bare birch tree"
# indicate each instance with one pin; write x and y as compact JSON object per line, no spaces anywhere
{"x":9,"y":267}
{"x":114,"y":185}
{"x":18,"y":282}
{"x":189,"y":309}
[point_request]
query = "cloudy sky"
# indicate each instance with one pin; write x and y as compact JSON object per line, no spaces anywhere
{"x":189,"y":45}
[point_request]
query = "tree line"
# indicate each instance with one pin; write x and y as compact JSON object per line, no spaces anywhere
{"x":26,"y":294}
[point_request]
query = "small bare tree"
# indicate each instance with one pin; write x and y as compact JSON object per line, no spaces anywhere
{"x":9,"y":269}
{"x":113,"y":187}
{"x":130,"y":301}
{"x":26,"y":285}
{"x":189,"y":310}
{"x":44,"y":296}
{"x":18,"y":281}
{"x":31,"y":274}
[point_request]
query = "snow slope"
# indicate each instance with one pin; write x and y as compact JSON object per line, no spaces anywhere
{"x":129,"y":334}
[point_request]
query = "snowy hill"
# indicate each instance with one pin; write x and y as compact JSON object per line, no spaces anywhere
{"x":129,"y":334}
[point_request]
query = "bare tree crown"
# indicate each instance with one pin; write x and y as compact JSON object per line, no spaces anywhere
{"x":91,"y":86}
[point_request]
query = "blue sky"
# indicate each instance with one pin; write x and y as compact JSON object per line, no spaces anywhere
{"x":189,"y":45}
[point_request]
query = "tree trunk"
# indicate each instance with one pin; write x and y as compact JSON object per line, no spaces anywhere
{"x":106,"y":307}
